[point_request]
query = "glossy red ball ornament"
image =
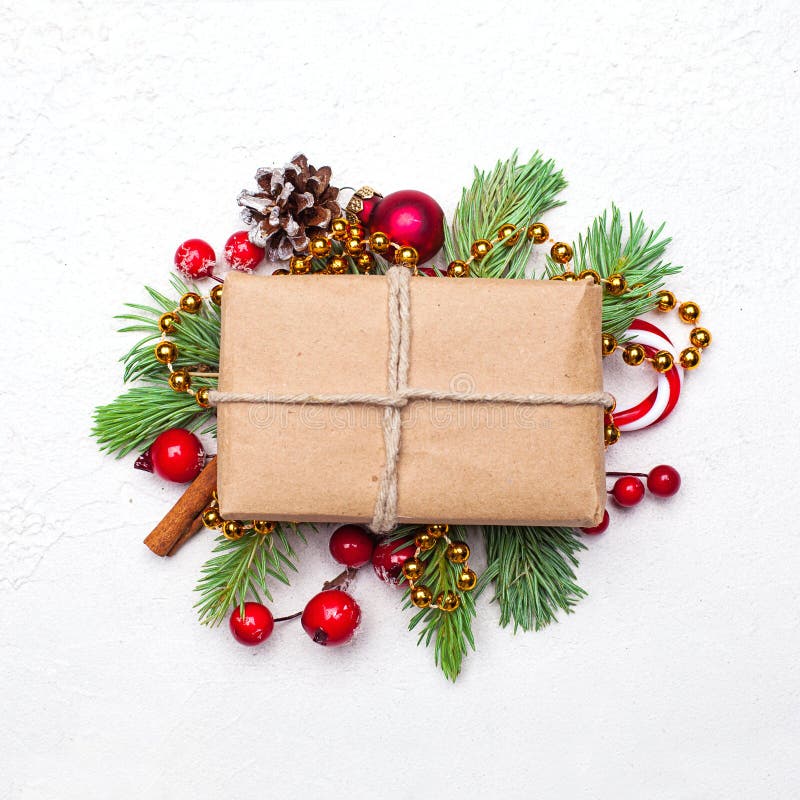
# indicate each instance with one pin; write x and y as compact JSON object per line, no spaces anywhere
{"x":369,"y":204}
{"x":331,"y":617}
{"x":241,"y":253}
{"x":254,"y":627}
{"x":628,"y":491}
{"x":351,"y":545}
{"x":664,"y":480}
{"x":387,"y":560}
{"x":411,"y":219}
{"x":195,"y":259}
{"x":177,"y":455}
{"x":599,"y":528}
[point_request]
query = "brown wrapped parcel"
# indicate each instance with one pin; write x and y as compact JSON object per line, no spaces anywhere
{"x":459,"y":462}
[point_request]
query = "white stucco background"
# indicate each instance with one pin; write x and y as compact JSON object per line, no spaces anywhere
{"x":128,"y":127}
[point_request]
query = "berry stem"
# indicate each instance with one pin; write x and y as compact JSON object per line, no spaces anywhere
{"x":287,"y":618}
{"x":625,"y":474}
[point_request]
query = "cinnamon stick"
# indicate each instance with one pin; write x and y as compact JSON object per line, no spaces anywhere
{"x":184,"y":514}
{"x":195,"y":527}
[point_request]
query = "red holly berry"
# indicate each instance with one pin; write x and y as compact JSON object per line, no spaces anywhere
{"x":351,"y":545}
{"x":241,"y":253}
{"x":254,"y":627}
{"x":331,"y":617}
{"x":177,"y":455}
{"x":664,"y":480}
{"x":628,"y":491}
{"x":600,"y":528}
{"x":195,"y":259}
{"x":387,"y":560}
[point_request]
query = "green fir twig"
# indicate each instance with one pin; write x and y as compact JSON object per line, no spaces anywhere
{"x":242,"y":568}
{"x":510,"y":193}
{"x":532,"y":569}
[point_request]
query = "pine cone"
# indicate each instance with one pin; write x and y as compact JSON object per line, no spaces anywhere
{"x":294,"y":203}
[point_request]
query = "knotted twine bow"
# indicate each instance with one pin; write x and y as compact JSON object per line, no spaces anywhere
{"x":400,"y":394}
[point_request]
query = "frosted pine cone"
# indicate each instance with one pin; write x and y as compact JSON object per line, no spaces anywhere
{"x":292,"y":204}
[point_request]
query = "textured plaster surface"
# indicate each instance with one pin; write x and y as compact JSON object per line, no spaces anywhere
{"x":127,"y":127}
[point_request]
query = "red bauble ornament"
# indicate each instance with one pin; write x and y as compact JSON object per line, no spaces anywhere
{"x":241,"y":253}
{"x":387,"y":560}
{"x":331,"y":617}
{"x":664,"y":480}
{"x":177,"y":455}
{"x":195,"y":259}
{"x":600,"y":528}
{"x":628,"y":491}
{"x":411,"y":219}
{"x":254,"y":627}
{"x":351,"y":545}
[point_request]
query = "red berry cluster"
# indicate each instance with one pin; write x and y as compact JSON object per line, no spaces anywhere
{"x":628,"y":490}
{"x":196,"y":258}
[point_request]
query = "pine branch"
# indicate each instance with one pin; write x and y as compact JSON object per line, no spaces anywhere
{"x":243,"y":568}
{"x":532,"y":571}
{"x":451,"y":630}
{"x":134,"y":419}
{"x":511,"y":193}
{"x":637,"y":256}
{"x":196,"y":335}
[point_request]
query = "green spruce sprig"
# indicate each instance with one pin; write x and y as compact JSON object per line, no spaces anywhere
{"x":637,"y":254}
{"x":510,"y":193}
{"x":450,"y":631}
{"x":532,"y":569}
{"x":242,"y":568}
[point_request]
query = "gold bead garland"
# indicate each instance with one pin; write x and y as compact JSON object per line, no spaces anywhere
{"x":456,"y":552}
{"x":232,"y":529}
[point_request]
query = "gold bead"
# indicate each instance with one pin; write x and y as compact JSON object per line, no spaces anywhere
{"x":480,"y":249}
{"x":355,"y":246}
{"x":616,"y":284}
{"x":557,"y":277}
{"x":263,"y":527}
{"x":355,"y":231}
{"x":437,"y":530}
{"x":509,"y":234}
{"x":611,"y":434}
{"x":457,"y":552}
{"x":211,"y":517}
{"x":633,"y":355}
{"x":166,"y":351}
{"x":561,"y":253}
{"x":609,"y":344}
{"x":379,"y":242}
{"x":690,"y":357}
{"x":413,"y":569}
{"x":201,"y":397}
{"x":299,"y":265}
{"x":700,"y":337}
{"x":448,"y":601}
{"x":338,"y":265}
{"x":467,"y":580}
{"x":458,"y":269}
{"x":663,"y":361}
{"x":689,"y":311}
{"x":538,"y":233}
{"x":232,"y":529}
{"x":180,"y":380}
{"x":281,"y":271}
{"x":339,"y":228}
{"x":421,"y":596}
{"x":589,"y":273}
{"x":191,"y":303}
{"x":365,"y":262}
{"x":216,"y":294}
{"x":569,"y":276}
{"x":319,"y":247}
{"x":168,"y":321}
{"x":425,"y":541}
{"x":665,"y":300}
{"x":406,"y":257}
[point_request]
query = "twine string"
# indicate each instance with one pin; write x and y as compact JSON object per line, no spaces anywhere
{"x":399,"y":394}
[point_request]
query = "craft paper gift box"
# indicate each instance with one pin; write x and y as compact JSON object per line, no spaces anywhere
{"x":459,"y":462}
